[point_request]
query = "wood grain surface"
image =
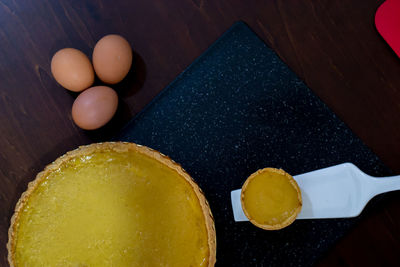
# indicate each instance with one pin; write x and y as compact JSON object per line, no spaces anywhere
{"x":332,"y":45}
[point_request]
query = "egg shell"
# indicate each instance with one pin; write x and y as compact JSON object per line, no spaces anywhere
{"x":94,"y":107}
{"x":72,"y":69}
{"x":112,"y":58}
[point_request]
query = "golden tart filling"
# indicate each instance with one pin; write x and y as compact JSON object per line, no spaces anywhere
{"x":112,"y":204}
{"x":271,"y":199}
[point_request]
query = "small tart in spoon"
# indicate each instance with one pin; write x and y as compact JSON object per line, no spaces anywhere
{"x":271,"y":199}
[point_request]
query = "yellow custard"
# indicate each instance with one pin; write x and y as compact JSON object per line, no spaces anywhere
{"x":112,"y":204}
{"x":271,"y":199}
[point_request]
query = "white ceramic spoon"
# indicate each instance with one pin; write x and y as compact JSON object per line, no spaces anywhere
{"x":340,"y":191}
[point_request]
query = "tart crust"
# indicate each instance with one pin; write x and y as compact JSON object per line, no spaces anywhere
{"x":118,"y":147}
{"x":286,"y":222}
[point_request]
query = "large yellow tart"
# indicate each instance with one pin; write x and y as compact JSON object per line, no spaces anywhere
{"x":271,"y":199}
{"x":112,"y":204}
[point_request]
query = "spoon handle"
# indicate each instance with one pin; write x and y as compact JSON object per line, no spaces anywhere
{"x":385,"y":184}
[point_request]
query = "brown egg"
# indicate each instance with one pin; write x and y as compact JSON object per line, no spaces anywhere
{"x":94,"y":107}
{"x":72,"y":69}
{"x":112,"y":58}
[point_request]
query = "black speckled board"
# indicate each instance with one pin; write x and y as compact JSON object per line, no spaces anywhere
{"x":239,"y":108}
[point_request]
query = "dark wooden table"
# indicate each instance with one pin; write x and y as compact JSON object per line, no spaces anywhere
{"x":332,"y":45}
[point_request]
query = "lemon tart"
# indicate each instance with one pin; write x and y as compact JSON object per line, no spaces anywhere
{"x":271,"y":199}
{"x":112,"y":204}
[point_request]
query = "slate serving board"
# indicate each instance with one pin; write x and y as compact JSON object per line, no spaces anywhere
{"x":239,"y":108}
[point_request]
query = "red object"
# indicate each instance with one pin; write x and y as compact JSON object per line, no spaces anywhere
{"x":387,"y":21}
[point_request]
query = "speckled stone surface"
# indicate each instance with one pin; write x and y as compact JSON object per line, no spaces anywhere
{"x":239,"y":108}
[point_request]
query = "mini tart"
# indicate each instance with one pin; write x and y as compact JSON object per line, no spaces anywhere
{"x":112,"y":204}
{"x":271,"y":199}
